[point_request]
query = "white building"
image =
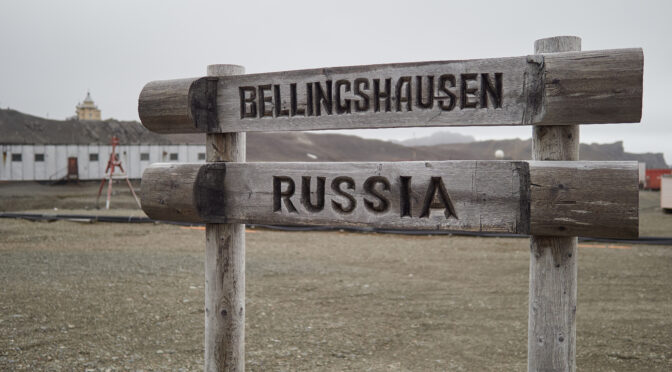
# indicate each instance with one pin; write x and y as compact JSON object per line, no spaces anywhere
{"x":31,"y":162}
{"x":37,"y":149}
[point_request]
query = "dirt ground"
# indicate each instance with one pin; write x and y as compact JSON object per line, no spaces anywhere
{"x":120,"y":297}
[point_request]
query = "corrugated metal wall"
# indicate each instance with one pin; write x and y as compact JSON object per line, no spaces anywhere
{"x":50,"y":162}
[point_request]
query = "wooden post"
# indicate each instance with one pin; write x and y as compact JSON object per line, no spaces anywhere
{"x":225,"y":263}
{"x":551,"y":336}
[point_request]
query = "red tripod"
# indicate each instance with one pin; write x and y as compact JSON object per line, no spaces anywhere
{"x":111,"y":164}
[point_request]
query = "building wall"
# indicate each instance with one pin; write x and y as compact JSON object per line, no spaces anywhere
{"x":666,"y":192}
{"x":88,"y":113}
{"x":50,"y":162}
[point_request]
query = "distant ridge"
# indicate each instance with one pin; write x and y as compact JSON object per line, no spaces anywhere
{"x":517,"y":149}
{"x":437,"y":138}
{"x":19,"y":128}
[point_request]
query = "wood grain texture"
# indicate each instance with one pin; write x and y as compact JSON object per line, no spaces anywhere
{"x":555,"y":88}
{"x":167,"y":192}
{"x":594,"y":199}
{"x":551,"y":334}
{"x":557,"y":44}
{"x":179,"y":106}
{"x":594,"y":87}
{"x":551,"y":343}
{"x":555,"y":142}
{"x":224,"y":261}
{"x":226,"y":147}
{"x":225,"y":70}
{"x":225,"y":297}
{"x":482,"y":196}
{"x":514,"y":70}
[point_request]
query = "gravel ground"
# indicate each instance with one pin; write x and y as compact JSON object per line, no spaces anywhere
{"x":124,"y":297}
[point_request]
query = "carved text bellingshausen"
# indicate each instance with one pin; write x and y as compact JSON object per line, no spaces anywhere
{"x":444,"y":92}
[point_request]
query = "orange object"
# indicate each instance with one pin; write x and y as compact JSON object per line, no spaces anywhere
{"x":653,"y":177}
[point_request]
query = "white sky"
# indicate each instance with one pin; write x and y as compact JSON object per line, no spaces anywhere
{"x":51,"y":52}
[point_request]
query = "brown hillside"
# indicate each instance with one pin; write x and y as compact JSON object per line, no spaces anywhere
{"x":20,"y":128}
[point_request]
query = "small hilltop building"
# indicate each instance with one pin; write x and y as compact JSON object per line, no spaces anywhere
{"x":88,"y":110}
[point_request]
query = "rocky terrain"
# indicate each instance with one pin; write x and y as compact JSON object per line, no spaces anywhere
{"x":81,"y":296}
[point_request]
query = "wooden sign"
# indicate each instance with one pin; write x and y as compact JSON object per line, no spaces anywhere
{"x":568,"y":88}
{"x":553,"y":198}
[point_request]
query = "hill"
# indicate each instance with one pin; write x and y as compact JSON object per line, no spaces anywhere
{"x":437,"y":138}
{"x":517,"y":149}
{"x":20,"y":128}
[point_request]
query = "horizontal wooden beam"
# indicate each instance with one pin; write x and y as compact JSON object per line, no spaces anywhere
{"x":557,"y":88}
{"x":579,"y":198}
{"x":465,"y":195}
{"x":179,"y":106}
{"x":597,"y":199}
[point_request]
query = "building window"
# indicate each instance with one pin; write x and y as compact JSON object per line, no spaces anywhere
{"x":144,"y":156}
{"x":201,"y":156}
{"x":16,"y":157}
{"x":173,"y":156}
{"x":39,"y":157}
{"x":93,"y":157}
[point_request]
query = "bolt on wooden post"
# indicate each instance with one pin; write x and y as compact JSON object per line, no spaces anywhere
{"x":225,"y":263}
{"x":551,"y":337}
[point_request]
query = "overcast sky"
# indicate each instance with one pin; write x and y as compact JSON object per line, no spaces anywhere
{"x":52,"y":52}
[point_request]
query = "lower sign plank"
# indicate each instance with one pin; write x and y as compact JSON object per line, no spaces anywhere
{"x":487,"y":196}
{"x":448,"y":195}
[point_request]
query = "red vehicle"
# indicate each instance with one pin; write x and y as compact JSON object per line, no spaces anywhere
{"x":653,"y":177}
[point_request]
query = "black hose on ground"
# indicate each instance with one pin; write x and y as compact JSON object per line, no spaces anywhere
{"x":131,"y":219}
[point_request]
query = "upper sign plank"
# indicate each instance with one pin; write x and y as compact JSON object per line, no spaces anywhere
{"x":558,"y":88}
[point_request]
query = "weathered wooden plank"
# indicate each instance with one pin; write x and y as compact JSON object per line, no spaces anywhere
{"x":597,"y":199}
{"x":591,"y":199}
{"x":597,"y":87}
{"x":179,"y":106}
{"x":450,"y":195}
{"x":474,"y":92}
{"x":467,"y":196}
{"x":592,"y":88}
{"x":167,"y":192}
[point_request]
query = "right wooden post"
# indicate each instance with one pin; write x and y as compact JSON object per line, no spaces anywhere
{"x":551,"y":335}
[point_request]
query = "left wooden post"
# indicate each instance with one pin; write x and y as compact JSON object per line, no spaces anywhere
{"x":225,"y":263}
